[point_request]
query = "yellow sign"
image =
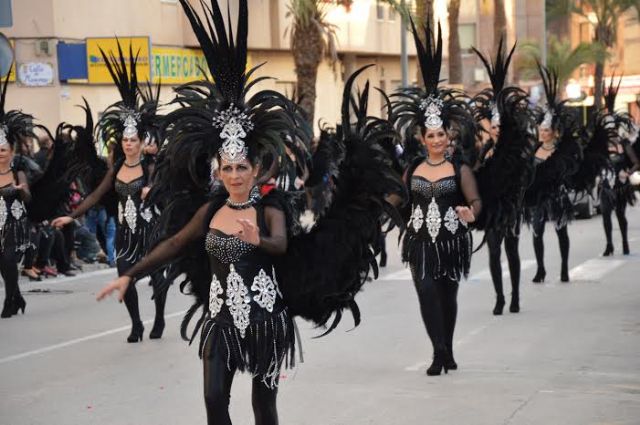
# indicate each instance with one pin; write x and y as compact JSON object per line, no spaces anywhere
{"x":176,"y":65}
{"x":98,"y":72}
{"x":12,"y":71}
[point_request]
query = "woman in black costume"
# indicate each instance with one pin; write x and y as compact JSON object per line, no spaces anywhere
{"x":504,"y":197}
{"x":130,"y":175}
{"x":557,"y":160}
{"x":14,"y":193}
{"x":443,"y":197}
{"x":615,"y":190}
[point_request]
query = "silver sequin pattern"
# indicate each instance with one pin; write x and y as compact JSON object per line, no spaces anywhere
{"x":226,"y":249}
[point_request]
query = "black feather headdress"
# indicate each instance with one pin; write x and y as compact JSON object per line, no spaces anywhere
{"x":417,"y":108}
{"x":485,"y":101}
{"x":14,"y":124}
{"x":135,"y":113}
{"x":554,"y":114}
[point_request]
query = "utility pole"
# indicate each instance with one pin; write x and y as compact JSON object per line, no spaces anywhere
{"x":404,"y":57}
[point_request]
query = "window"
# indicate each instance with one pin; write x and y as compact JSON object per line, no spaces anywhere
{"x":392,"y":14}
{"x":379,"y":10}
{"x":467,"y":34}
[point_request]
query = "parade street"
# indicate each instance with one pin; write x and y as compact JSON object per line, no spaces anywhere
{"x":570,"y":357}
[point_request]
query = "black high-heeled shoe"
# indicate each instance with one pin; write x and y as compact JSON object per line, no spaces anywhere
{"x":158,"y":328}
{"x":540,"y":275}
{"x":564,"y":274}
{"x":497,"y":309}
{"x":450,"y":362}
{"x":514,"y":307}
{"x":625,"y":247}
{"x":136,"y":333}
{"x":439,"y":363}
{"x":19,"y":304}
{"x":7,"y":309}
{"x":608,"y":250}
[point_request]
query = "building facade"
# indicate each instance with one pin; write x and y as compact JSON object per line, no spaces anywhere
{"x":58,"y":63}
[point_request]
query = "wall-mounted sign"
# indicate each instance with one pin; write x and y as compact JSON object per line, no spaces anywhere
{"x":35,"y":74}
{"x":176,"y":65}
{"x":97,"y":70}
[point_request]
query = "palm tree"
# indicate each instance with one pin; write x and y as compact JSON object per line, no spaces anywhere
{"x":312,"y":40}
{"x":499,"y":22}
{"x":603,"y":15}
{"x":560,"y":56}
{"x":455,"y":55}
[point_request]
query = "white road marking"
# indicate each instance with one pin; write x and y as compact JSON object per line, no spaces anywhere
{"x":485,"y":274}
{"x":78,"y":340}
{"x":63,"y":280}
{"x":594,"y":269}
{"x":404,"y":274}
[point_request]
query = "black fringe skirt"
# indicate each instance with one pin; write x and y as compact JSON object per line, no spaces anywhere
{"x":265,"y":348}
{"x":450,"y":258}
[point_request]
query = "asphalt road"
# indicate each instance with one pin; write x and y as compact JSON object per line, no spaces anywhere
{"x":572,"y":356}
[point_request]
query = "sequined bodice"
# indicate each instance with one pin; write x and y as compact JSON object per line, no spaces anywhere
{"x":11,"y":206}
{"x":130,"y":206}
{"x":131,"y":189}
{"x":227,"y":249}
{"x":243,"y":283}
{"x":433,"y":214}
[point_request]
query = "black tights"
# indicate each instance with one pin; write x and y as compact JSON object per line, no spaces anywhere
{"x":538,"y":244}
{"x":131,"y":297}
{"x":217,"y":392}
{"x":9,"y":272}
{"x":620,"y":206}
{"x":439,"y":308}
{"x":494,"y":242}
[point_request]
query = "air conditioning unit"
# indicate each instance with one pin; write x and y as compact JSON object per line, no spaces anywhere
{"x":45,"y":47}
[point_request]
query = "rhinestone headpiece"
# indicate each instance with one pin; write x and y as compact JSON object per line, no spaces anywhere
{"x":3,"y":135}
{"x":130,"y":122}
{"x":432,"y":107}
{"x":495,"y":115}
{"x":547,"y":120}
{"x":235,"y":125}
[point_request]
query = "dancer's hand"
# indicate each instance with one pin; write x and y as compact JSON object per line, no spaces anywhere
{"x":623,"y":176}
{"x":61,"y":221}
{"x":120,"y":284}
{"x":20,"y":187}
{"x":465,"y":214}
{"x":249,"y":233}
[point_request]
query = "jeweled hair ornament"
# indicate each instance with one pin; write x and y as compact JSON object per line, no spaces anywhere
{"x":235,"y":126}
{"x":495,"y":116}
{"x":432,"y":107}
{"x":130,"y":125}
{"x":3,"y":135}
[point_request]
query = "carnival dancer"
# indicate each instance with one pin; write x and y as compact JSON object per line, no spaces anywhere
{"x":557,"y":159}
{"x":443,"y":196}
{"x":128,"y":122}
{"x":510,"y":147}
{"x":615,"y":190}
{"x":14,"y":193}
{"x":244,"y":252}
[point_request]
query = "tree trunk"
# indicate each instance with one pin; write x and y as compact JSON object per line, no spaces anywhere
{"x":424,"y":11}
{"x":455,"y":55}
{"x":499,"y":22}
{"x":597,"y":81}
{"x":306,"y":47}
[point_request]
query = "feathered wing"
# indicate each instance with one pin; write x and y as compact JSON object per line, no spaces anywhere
{"x":595,"y":157}
{"x":504,"y":177}
{"x":324,"y":269}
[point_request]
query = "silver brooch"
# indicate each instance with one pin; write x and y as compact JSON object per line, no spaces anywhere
{"x":130,"y":122}
{"x":495,"y":115}
{"x":3,"y":135}
{"x":432,"y":107}
{"x":547,"y":120}
{"x":235,"y":126}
